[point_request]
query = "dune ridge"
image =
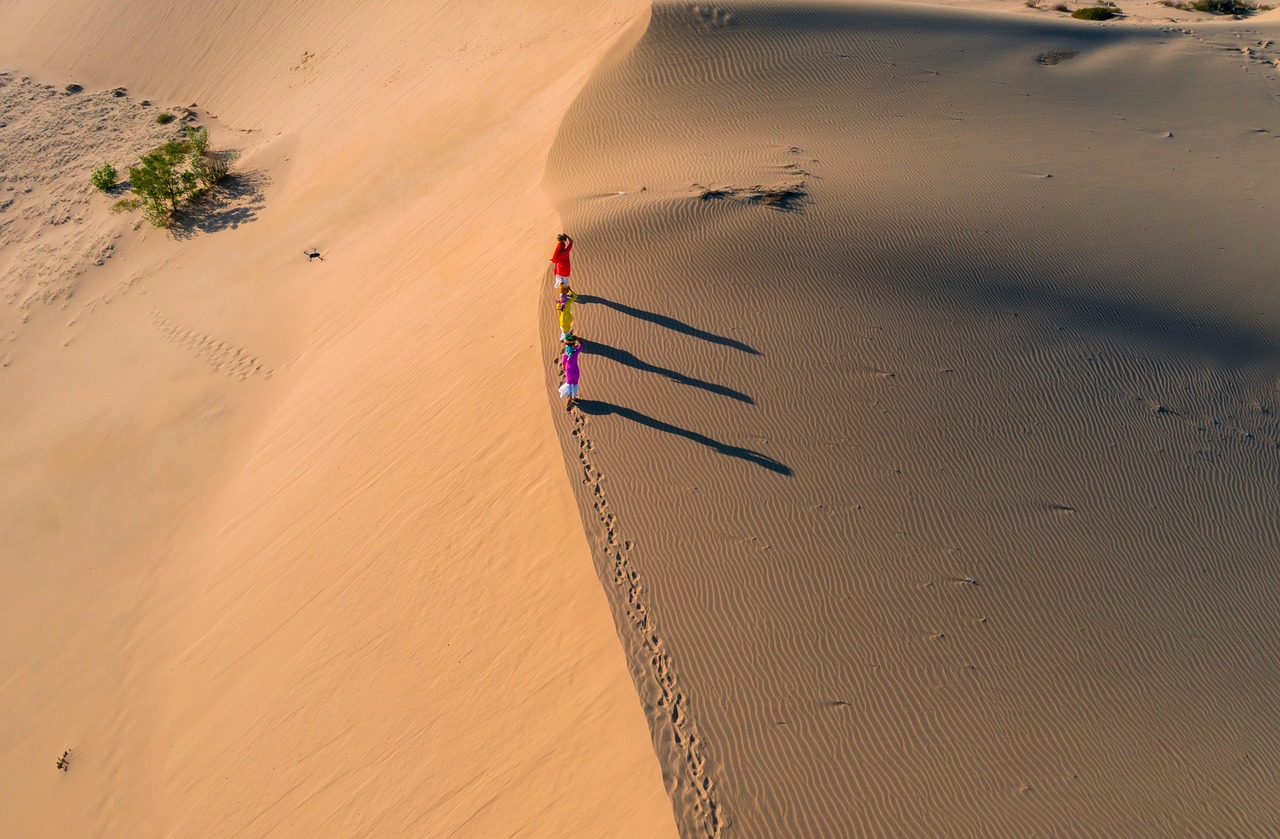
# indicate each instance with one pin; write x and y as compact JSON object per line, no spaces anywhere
{"x":946,"y":491}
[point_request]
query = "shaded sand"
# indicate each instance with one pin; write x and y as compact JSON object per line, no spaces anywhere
{"x":288,"y":549}
{"x":929,"y":420}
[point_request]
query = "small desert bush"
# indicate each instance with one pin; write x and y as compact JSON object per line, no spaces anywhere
{"x":211,"y":168}
{"x":1223,"y":7}
{"x":104,"y":177}
{"x":1095,"y":13}
{"x":199,"y":140}
{"x":162,"y":180}
{"x":164,"y":119}
{"x":1060,"y":7}
{"x":172,"y":175}
{"x":1031,"y":4}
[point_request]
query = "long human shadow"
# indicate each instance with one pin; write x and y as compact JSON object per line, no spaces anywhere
{"x":596,"y":408}
{"x":628,"y":359}
{"x":668,"y":322}
{"x":1204,"y":334}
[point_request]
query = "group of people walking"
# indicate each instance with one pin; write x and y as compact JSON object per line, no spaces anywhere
{"x":571,"y":347}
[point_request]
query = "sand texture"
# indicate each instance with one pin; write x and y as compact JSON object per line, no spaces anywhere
{"x":929,"y":437}
{"x":288,"y":548}
{"x":50,"y":234}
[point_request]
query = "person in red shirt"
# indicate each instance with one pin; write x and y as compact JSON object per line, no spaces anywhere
{"x":564,"y":244}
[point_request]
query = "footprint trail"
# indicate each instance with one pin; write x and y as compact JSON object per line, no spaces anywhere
{"x":680,"y":749}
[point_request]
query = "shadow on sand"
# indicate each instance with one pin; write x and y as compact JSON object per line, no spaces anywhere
{"x":1139,"y":323}
{"x":629,"y":360}
{"x":668,"y":322}
{"x":596,"y":408}
{"x":236,"y":200}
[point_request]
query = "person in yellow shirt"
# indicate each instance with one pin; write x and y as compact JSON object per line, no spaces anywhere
{"x":563,"y":307}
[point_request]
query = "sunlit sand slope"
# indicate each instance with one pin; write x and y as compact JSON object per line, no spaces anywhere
{"x":286,"y":546}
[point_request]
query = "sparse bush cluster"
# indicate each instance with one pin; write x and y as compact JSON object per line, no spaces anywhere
{"x":788,"y":197}
{"x":1224,"y":7}
{"x":165,"y":119}
{"x":104,"y":177}
{"x":172,"y":175}
{"x":1096,"y":13}
{"x":1235,"y":8}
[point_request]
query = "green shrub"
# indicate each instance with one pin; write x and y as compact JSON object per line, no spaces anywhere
{"x":199,"y":140}
{"x":162,"y":180}
{"x":164,"y":119}
{"x":172,"y":174}
{"x":1095,"y":13}
{"x":1224,"y":7}
{"x":104,"y":177}
{"x":211,"y":167}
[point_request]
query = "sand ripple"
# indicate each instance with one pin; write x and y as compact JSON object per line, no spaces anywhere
{"x":954,"y":492}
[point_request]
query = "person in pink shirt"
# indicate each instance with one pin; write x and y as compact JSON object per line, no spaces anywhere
{"x":560,"y":259}
{"x":569,"y":361}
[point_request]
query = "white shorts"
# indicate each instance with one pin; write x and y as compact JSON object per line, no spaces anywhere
{"x":568,"y":391}
{"x":561,"y":281}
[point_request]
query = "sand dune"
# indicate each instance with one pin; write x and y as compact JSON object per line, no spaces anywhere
{"x":288,"y":545}
{"x":928,"y":453}
{"x":929,"y":424}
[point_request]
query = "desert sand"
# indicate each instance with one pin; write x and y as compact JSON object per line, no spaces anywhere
{"x":288,"y":545}
{"x":924,"y":481}
{"x":929,"y":414}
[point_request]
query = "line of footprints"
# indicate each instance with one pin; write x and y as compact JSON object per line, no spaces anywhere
{"x":671,"y":702}
{"x":221,"y":356}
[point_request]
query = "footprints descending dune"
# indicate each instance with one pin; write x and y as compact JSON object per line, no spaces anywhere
{"x":219,"y":355}
{"x":1244,"y":42}
{"x":669,"y":712}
